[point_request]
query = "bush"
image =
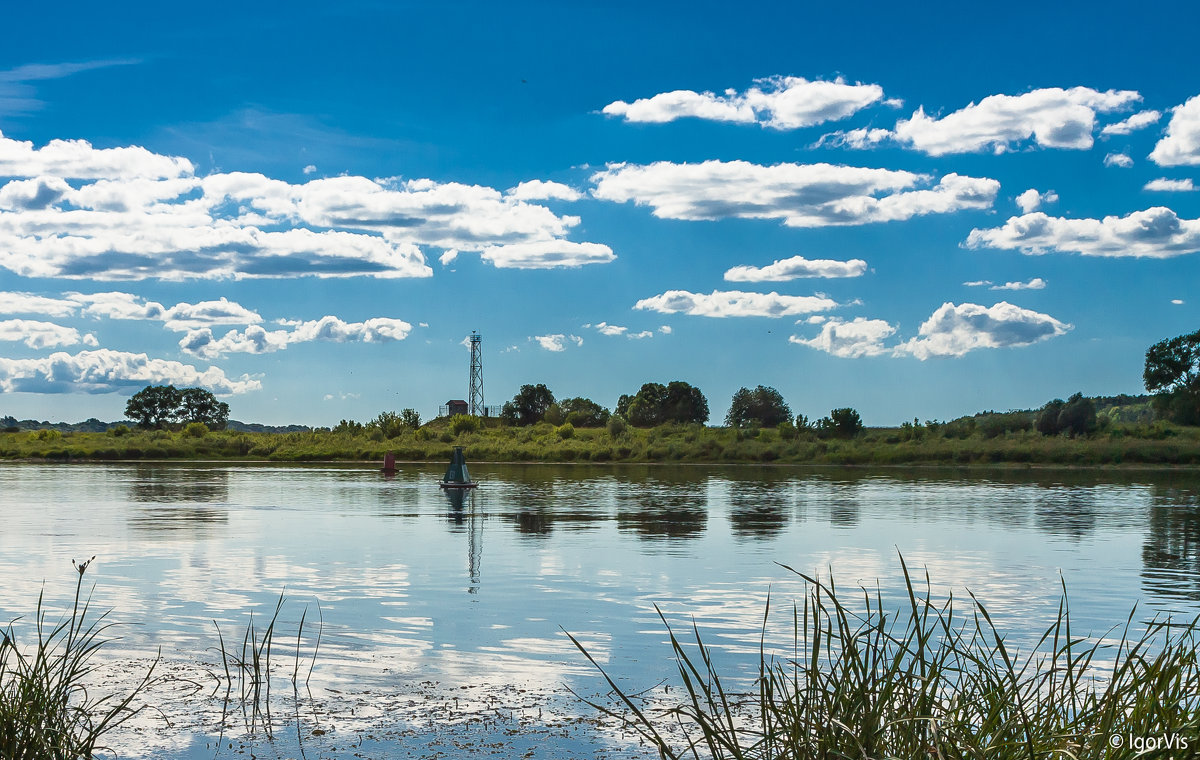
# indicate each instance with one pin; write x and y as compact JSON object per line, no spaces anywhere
{"x":463,"y":423}
{"x":45,"y":434}
{"x":195,"y":430}
{"x":565,"y":431}
{"x":120,"y":431}
{"x":616,"y":426}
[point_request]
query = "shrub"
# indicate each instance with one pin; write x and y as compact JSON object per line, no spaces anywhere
{"x":120,"y":431}
{"x":565,"y":431}
{"x":616,"y":425}
{"x":195,"y":430}
{"x":45,"y":434}
{"x":463,"y":423}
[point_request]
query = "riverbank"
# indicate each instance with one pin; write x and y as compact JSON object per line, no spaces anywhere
{"x":1153,"y":444}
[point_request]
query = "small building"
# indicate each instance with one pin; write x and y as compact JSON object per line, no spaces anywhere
{"x":456,"y":406}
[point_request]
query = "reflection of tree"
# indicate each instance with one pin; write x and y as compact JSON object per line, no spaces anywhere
{"x":844,"y":508}
{"x":663,"y":510}
{"x":178,"y":484}
{"x":1171,"y":551}
{"x":186,"y":499}
{"x":757,"y":510}
{"x":1071,"y":515}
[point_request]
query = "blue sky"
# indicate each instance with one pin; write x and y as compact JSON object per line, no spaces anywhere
{"x":307,"y":208}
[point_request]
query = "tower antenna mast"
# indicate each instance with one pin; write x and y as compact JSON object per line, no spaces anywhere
{"x":475,"y":395}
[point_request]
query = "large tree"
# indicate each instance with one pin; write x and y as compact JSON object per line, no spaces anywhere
{"x":1173,"y":373}
{"x":583,"y":412}
{"x":154,"y":406}
{"x":199,"y":405}
{"x":762,"y":405}
{"x":529,"y":406}
{"x":655,"y":404}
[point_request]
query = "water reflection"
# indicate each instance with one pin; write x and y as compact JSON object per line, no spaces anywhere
{"x":1067,"y":513}
{"x":177,"y":500}
{"x":1171,"y":551}
{"x":758,"y":510}
{"x":673,"y":507}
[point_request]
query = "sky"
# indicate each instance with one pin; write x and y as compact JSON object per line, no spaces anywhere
{"x":307,"y":207}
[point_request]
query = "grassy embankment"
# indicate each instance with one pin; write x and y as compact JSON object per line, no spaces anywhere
{"x":981,"y":440}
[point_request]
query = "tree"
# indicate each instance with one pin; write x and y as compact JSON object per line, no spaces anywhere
{"x":529,"y":406}
{"x":1078,"y":416}
{"x":1047,"y":419}
{"x":762,"y":405}
{"x":410,"y":418}
{"x":1172,"y":372}
{"x":153,"y":406}
{"x":655,"y":404}
{"x":583,"y":412}
{"x":843,"y":422}
{"x":199,"y":405}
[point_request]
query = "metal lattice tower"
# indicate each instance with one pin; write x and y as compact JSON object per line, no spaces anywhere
{"x":475,"y":396}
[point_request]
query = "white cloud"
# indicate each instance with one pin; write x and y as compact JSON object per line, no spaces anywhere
{"x":1052,"y":117}
{"x":607,"y":329}
{"x":28,"y":303}
{"x":802,"y":195}
{"x":956,"y":329}
{"x":1164,"y":185}
{"x":977,"y":283}
{"x":182,"y":316}
{"x":1154,"y":233}
{"x":776,"y":102}
{"x":258,"y":340}
{"x":783,"y":270}
{"x":665,"y":329}
{"x":850,"y":340}
{"x":37,"y":334}
{"x":1031,"y":199}
{"x":734,"y":303}
{"x":547,"y":254}
{"x":448,"y":257}
{"x":310,"y":169}
{"x":641,"y":335}
{"x":1181,"y":145}
{"x":1119,"y":160}
{"x":107,"y":371}
{"x":857,"y":139}
{"x":557,"y":342}
{"x":129,"y":214}
{"x":1177,"y":301}
{"x":815,"y":319}
{"x":1139,"y":120}
{"x":539,"y":190}
{"x":1037,"y":283}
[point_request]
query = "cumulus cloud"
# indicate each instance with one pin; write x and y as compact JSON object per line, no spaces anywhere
{"x":539,"y":190}
{"x":783,"y":270}
{"x":1139,"y":120}
{"x":180,"y":317}
{"x":1164,"y":185}
{"x":734,"y":303}
{"x":37,"y":334}
{"x":858,"y":139}
{"x":1181,"y":145}
{"x":310,"y":169}
{"x":1119,"y":160}
{"x":258,"y":340}
{"x":956,"y":329}
{"x":801,"y":195}
{"x":130,"y":214}
{"x":1037,"y":283}
{"x":1154,"y":233}
{"x":28,"y":303}
{"x":1051,"y":117}
{"x":557,"y":342}
{"x":665,"y":329}
{"x":776,"y":102}
{"x":107,"y":371}
{"x":1031,"y":199}
{"x":977,"y":283}
{"x":850,"y":340}
{"x":547,"y":254}
{"x":605,"y":328}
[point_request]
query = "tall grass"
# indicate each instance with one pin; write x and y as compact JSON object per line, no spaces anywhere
{"x":932,"y":681}
{"x":48,"y":707}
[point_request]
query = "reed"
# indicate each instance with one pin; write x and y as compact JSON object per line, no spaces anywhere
{"x":929,"y":680}
{"x":49,"y":709}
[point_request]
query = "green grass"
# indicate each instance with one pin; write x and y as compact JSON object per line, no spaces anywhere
{"x":955,"y":443}
{"x":49,"y":709}
{"x":931,"y":680}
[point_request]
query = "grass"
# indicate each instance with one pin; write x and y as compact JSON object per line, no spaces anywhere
{"x":953,"y":443}
{"x":48,"y":709}
{"x":932,"y":681}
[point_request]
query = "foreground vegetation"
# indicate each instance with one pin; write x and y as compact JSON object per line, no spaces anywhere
{"x":930,"y":681}
{"x":985,"y":439}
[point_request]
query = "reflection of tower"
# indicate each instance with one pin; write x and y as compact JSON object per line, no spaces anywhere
{"x":474,"y":545}
{"x":475,"y":396}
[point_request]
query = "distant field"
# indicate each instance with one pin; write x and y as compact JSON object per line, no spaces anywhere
{"x":959,"y":442}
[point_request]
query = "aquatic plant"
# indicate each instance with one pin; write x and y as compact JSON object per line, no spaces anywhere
{"x":864,"y":682}
{"x":50,"y":707}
